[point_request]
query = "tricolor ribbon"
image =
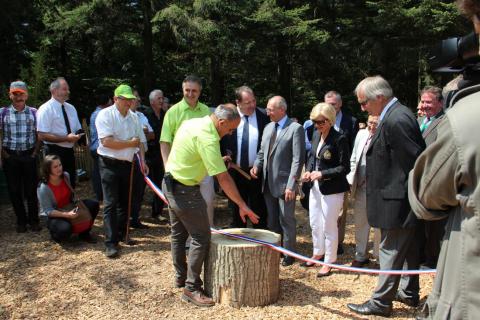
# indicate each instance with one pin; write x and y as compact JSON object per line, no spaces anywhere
{"x":150,"y":183}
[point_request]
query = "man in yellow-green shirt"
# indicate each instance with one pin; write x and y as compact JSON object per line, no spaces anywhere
{"x":195,"y":153}
{"x":188,"y":108}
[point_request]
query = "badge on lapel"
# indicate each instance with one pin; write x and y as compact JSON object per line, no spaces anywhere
{"x":327,"y":155}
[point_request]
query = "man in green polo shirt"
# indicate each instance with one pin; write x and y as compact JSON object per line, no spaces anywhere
{"x":196,"y":154}
{"x":188,"y":108}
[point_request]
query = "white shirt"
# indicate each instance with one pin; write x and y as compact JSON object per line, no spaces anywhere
{"x":252,"y":137}
{"x":145,"y":124}
{"x":50,"y":120}
{"x":111,"y":123}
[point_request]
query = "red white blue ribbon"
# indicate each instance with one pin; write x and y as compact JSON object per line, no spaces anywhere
{"x":150,"y":183}
{"x":331,"y":265}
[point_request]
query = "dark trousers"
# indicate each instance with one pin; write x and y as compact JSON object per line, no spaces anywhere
{"x":251,"y":193}
{"x":61,"y":229}
{"x":138,"y":190}
{"x":96,"y":181}
{"x":155,"y":165}
{"x":67,"y":156}
{"x":115,"y":176}
{"x":22,"y":178}
{"x":398,"y":251}
{"x":188,"y":216}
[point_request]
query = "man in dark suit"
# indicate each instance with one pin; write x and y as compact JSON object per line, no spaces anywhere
{"x":348,"y":126}
{"x":241,"y":148}
{"x":431,"y":105}
{"x":390,"y":156}
{"x":280,"y":160}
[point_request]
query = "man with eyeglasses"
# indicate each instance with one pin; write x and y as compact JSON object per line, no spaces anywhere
{"x":121,"y":136}
{"x":358,"y":192}
{"x":389,"y":158}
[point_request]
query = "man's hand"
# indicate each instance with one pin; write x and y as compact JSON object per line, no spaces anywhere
{"x":135,"y":142}
{"x":316,"y":175}
{"x":146,"y":170}
{"x":72,"y":214}
{"x":254,"y":172}
{"x":72,"y":137}
{"x":289,"y":195}
{"x":227,"y":159}
{"x":245,"y":211}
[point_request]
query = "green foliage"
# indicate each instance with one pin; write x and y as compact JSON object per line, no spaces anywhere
{"x":299,"y":49}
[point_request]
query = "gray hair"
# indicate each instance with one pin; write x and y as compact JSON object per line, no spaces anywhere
{"x":227,"y":112}
{"x":154,"y":93}
{"x":374,"y":86}
{"x":280,"y":102}
{"x":56,"y":83}
{"x":332,"y":93}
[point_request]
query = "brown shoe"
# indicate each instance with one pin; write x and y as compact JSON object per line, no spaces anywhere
{"x":198,"y":298}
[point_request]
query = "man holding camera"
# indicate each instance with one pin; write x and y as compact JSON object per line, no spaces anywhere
{"x":445,"y":184}
{"x":58,"y":126}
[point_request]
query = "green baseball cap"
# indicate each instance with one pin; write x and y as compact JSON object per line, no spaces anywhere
{"x":124,"y":91}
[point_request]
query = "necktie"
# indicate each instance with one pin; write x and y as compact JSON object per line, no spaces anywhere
{"x":65,"y":118}
{"x":425,"y":124}
{"x":244,"y":163}
{"x":272,"y":140}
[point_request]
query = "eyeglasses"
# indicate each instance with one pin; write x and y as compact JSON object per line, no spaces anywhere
{"x":319,"y":122}
{"x":364,"y":102}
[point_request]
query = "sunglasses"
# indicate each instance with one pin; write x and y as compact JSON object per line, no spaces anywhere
{"x":319,"y":122}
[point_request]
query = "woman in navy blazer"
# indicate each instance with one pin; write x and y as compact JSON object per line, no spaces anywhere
{"x":327,"y":168}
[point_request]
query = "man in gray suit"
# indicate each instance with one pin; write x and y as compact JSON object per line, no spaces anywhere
{"x":280,"y":160}
{"x":390,"y":156}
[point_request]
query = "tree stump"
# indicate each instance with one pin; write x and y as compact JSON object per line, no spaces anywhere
{"x":241,"y":273}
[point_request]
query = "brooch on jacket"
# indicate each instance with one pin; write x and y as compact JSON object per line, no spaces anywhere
{"x":327,"y":155}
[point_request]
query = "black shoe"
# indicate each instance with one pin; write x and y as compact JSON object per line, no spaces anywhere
{"x":35,"y":227}
{"x":129,"y":242}
{"x":411,"y":302}
{"x":88,"y":238}
{"x":360,"y":264}
{"x":21,"y":228}
{"x":111,"y":252}
{"x":368,"y":308}
{"x":288,"y":261}
{"x":340,"y":249}
{"x":138,"y":225}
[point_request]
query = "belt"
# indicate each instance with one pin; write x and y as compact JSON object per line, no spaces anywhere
{"x":114,"y":161}
{"x":19,"y":152}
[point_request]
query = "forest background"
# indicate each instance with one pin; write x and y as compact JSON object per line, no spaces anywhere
{"x":297,"y":49}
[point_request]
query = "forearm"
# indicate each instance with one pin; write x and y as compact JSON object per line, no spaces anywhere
{"x":230,"y":189}
{"x":50,"y":137}
{"x":165,"y":148}
{"x":59,"y":214}
{"x":112,"y":143}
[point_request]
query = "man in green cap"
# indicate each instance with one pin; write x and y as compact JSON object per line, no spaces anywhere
{"x":120,"y":136}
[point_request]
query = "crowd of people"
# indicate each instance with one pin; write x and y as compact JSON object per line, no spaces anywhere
{"x":395,"y":170}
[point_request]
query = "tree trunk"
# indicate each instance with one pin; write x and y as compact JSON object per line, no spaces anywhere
{"x":241,"y":273}
{"x":147,"y":47}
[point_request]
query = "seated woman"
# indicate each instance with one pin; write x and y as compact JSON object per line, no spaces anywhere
{"x":327,"y":168}
{"x":55,"y":196}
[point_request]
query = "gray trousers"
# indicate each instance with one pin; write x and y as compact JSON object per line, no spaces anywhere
{"x":281,"y":218}
{"x":188,"y":216}
{"x":342,"y":219}
{"x":397,"y":250}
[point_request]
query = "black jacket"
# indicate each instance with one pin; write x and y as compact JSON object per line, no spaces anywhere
{"x":333,"y":161}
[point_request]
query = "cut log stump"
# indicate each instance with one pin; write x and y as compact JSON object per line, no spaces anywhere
{"x":241,"y":273}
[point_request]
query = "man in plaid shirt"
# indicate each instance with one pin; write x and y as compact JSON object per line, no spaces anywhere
{"x":19,"y":147}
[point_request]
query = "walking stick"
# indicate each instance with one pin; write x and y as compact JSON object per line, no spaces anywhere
{"x":129,"y":211}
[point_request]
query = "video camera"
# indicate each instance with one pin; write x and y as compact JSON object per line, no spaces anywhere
{"x":456,"y":54}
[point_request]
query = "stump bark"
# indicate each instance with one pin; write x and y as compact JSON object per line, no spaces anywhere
{"x":241,"y":273}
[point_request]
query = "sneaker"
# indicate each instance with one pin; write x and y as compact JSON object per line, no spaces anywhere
{"x":111,"y":252}
{"x":198,"y":298}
